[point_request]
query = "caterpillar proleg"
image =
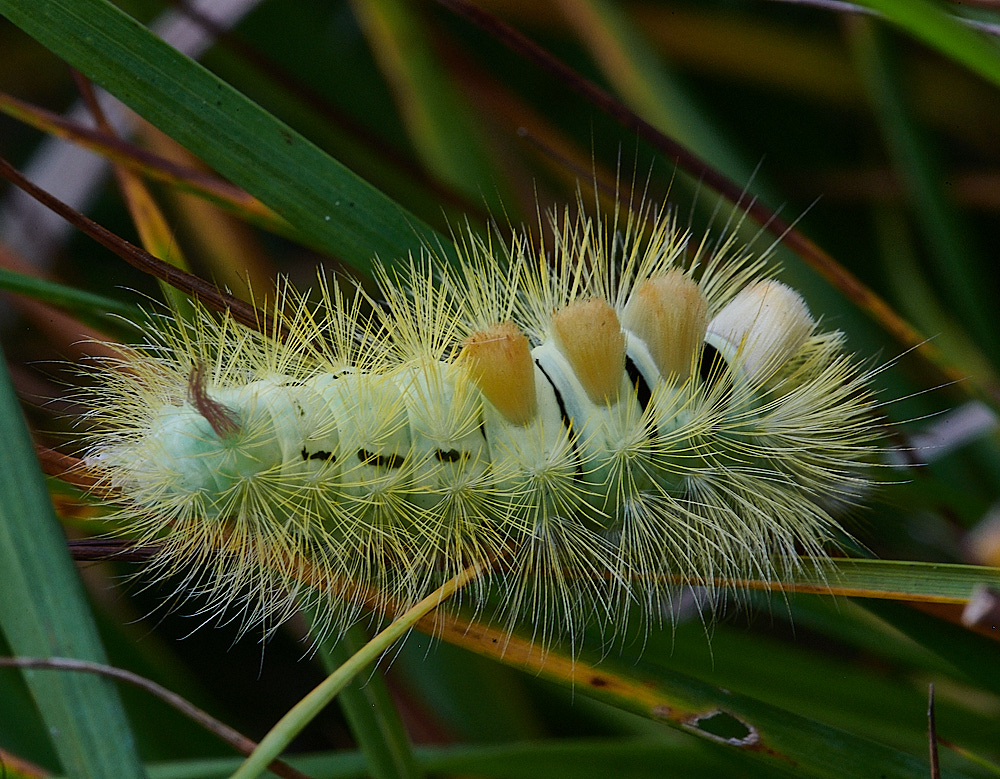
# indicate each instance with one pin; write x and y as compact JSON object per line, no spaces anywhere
{"x":589,"y":422}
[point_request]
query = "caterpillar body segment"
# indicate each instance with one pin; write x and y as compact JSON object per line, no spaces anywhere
{"x":588,"y":432}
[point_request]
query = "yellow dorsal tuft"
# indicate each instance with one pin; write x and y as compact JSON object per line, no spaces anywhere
{"x":499,"y":362}
{"x":670,"y":315}
{"x":590,"y":337}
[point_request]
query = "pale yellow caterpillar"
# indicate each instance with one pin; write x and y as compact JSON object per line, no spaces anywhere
{"x":589,"y":422}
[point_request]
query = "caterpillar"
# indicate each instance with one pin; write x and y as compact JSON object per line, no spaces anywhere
{"x":588,"y":419}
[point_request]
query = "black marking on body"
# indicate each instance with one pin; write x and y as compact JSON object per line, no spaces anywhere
{"x":450,"y":456}
{"x":712,"y":364}
{"x":320,"y":455}
{"x":380,"y":460}
{"x":643,"y":394}
{"x":567,"y":420}
{"x":714,"y":371}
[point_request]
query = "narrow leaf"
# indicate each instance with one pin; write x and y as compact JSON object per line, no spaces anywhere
{"x":43,"y":612}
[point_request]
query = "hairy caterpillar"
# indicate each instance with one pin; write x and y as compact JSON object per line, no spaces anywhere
{"x":587,"y":422}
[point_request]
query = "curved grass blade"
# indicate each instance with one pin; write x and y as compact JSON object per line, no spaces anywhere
{"x":68,"y":298}
{"x":940,"y":30}
{"x":306,"y":709}
{"x":652,"y":89}
{"x":371,"y":714}
{"x":960,"y":270}
{"x":435,"y":113}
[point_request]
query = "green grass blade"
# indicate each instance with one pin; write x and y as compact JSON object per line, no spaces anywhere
{"x":756,"y":731}
{"x":973,"y":655}
{"x":438,"y":675}
{"x":891,"y":579}
{"x":960,"y":270}
{"x":329,"y":205}
{"x":73,"y":300}
{"x":930,"y":23}
{"x":43,"y":612}
{"x":830,"y":686}
{"x":372,"y":716}
{"x":653,"y":90}
{"x":437,"y":118}
{"x":556,"y":759}
{"x":917,"y":297}
{"x":278,"y":738}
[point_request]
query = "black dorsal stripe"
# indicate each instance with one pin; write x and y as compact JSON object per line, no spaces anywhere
{"x":567,"y":420}
{"x":643,"y":394}
{"x":320,"y":455}
{"x":713,"y":371}
{"x":712,"y":365}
